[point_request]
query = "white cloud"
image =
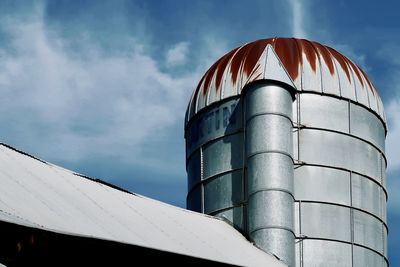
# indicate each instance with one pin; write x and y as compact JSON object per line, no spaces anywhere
{"x":298,"y":19}
{"x":393,"y":138}
{"x":177,"y":55}
{"x":68,"y":106}
{"x":73,"y":107}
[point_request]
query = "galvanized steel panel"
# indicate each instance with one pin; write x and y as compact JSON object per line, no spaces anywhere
{"x":322,"y":184}
{"x":366,"y":195}
{"x":194,"y":199}
{"x":194,"y":169}
{"x":380,"y":110}
{"x":383,"y":206}
{"x":233,"y":215}
{"x":276,"y":241}
{"x":295,"y":140}
{"x":270,"y":171}
{"x":223,"y":191}
{"x":298,"y":254}
{"x":295,"y":109}
{"x":278,"y":215}
{"x":297,"y":218}
{"x":321,"y":253}
{"x":385,"y":234}
{"x":366,"y":125}
{"x":325,"y":221}
{"x":223,"y":155}
{"x":368,"y":231}
{"x":383,"y":170}
{"x":269,"y":133}
{"x":363,"y":257}
{"x":344,"y":152}
{"x":324,"y":112}
{"x":268,"y":98}
{"x":214,"y":123}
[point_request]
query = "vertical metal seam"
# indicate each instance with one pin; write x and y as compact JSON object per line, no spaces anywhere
{"x":301,"y":237}
{"x":337,"y":71}
{"x":201,"y":179}
{"x":351,"y":219}
{"x":349,"y":114}
{"x":300,"y":52}
{"x":381,"y":206}
{"x":298,"y":126}
{"x":354,"y":83}
{"x":244,"y":176}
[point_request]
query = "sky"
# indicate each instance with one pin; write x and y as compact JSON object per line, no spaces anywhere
{"x":101,"y":87}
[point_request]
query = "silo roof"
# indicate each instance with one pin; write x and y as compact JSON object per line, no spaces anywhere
{"x":41,"y":195}
{"x":304,"y":65}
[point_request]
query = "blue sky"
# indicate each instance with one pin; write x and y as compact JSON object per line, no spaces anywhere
{"x":101,"y":87}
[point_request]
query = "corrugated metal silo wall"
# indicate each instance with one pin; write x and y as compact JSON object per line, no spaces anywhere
{"x":214,"y":153}
{"x":339,"y":176}
{"x":339,"y":181}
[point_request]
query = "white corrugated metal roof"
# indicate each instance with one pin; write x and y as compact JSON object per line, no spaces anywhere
{"x":41,"y":195}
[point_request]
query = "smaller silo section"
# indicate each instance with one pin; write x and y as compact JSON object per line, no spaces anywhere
{"x":269,"y":162}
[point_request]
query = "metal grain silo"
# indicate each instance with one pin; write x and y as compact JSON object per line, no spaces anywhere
{"x":285,"y":139}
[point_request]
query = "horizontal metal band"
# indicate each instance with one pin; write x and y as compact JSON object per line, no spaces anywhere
{"x":189,"y":156}
{"x":299,"y":164}
{"x":347,"y":207}
{"x":273,"y":227}
{"x":303,"y":127}
{"x":302,"y":238}
{"x":271,"y":189}
{"x":269,"y":113}
{"x":348,"y":100}
{"x":213,"y":177}
{"x":239,"y":205}
{"x":269,"y":152}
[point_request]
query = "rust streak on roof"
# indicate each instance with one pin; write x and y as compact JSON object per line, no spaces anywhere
{"x":356,"y":71}
{"x":236,"y":62}
{"x":241,"y":64}
{"x":223,"y":62}
{"x":209,"y":75}
{"x":196,"y":94}
{"x":324,"y":52}
{"x":342,"y":61}
{"x":311,"y":54}
{"x":287,"y":52}
{"x":368,"y":81}
{"x":254,"y":55}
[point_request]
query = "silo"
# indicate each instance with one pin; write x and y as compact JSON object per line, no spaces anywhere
{"x":285,"y":140}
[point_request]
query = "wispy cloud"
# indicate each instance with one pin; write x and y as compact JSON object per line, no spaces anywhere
{"x":68,"y":105}
{"x":177,"y":55}
{"x":393,"y":137}
{"x":298,"y":14}
{"x":74,"y":106}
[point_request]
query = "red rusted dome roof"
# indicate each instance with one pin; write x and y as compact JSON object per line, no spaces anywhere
{"x":303,"y":64}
